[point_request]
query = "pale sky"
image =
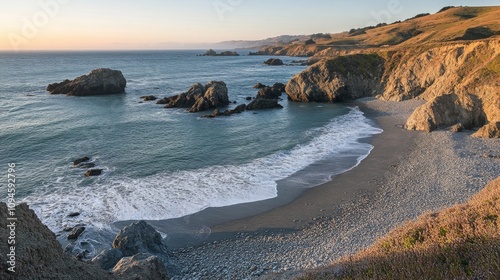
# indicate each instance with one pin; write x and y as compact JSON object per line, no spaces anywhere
{"x":161,"y":24}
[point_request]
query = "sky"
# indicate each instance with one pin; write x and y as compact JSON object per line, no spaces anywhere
{"x":176,"y":24}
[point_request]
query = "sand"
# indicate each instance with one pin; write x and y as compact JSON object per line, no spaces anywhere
{"x":407,"y":173}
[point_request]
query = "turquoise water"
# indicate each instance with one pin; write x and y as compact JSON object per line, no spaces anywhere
{"x":161,"y":163}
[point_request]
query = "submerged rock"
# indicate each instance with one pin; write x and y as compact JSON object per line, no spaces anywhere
{"x":93,"y":172}
{"x":80,"y":160}
{"x":149,"y":98}
{"x":97,"y":82}
{"x":75,"y":233}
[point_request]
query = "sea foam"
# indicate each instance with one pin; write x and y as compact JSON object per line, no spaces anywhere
{"x":172,"y":195}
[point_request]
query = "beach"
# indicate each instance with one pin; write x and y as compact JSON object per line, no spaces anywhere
{"x":407,"y":173}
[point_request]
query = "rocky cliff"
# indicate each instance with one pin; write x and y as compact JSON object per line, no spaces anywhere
{"x":38,"y":255}
{"x":337,"y":79}
{"x":460,"y":80}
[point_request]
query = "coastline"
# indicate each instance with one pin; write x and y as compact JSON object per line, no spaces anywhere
{"x":406,"y":174}
{"x":264,"y":217}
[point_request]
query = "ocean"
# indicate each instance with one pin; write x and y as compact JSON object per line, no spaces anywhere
{"x":162,"y":163}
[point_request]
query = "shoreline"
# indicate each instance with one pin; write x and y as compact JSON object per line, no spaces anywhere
{"x":264,"y":217}
{"x":406,"y":174}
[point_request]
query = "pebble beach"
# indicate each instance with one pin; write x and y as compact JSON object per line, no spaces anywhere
{"x":407,"y":174}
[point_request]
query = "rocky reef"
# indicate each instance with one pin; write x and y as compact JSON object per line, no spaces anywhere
{"x":97,"y":82}
{"x":199,"y":98}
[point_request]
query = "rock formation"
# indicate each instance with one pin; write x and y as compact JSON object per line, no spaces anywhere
{"x":97,"y":82}
{"x":459,"y":80}
{"x":200,"y":98}
{"x":211,"y":52}
{"x":263,"y":103}
{"x":341,"y":78}
{"x":137,"y":247}
{"x":37,"y":252}
{"x":274,"y":62}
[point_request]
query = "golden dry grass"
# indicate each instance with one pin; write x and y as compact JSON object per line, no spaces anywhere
{"x":462,"y":242}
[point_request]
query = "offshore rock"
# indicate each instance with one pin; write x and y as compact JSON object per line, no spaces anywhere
{"x":97,"y":82}
{"x":200,"y":98}
{"x":263,"y":103}
{"x":274,"y":62}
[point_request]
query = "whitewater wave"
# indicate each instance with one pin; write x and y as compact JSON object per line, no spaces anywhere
{"x":172,"y":195}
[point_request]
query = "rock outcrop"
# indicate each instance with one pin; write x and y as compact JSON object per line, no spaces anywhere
{"x":338,"y":79}
{"x":274,"y":62}
{"x":97,"y":82}
{"x":200,"y":98}
{"x":140,"y":266}
{"x":491,"y":130}
{"x":138,"y":249}
{"x":38,"y":255}
{"x":211,"y":52}
{"x":263,"y":103}
{"x":459,"y":80}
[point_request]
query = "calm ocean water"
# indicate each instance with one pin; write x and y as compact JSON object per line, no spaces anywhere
{"x":161,"y":163}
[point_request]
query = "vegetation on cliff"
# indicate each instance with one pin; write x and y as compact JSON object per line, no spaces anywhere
{"x":441,"y":58}
{"x":462,"y":242}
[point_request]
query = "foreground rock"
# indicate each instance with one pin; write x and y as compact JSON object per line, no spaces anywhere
{"x":140,"y":266}
{"x":200,"y":98}
{"x":491,"y":130}
{"x":38,"y":254}
{"x":338,"y":79}
{"x":138,"y":250}
{"x":97,"y":82}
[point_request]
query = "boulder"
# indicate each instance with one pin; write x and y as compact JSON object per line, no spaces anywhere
{"x":75,"y":233}
{"x":200,"y":98}
{"x":338,"y":79}
{"x":446,"y":110}
{"x":491,"y":130}
{"x":279,"y":86}
{"x":93,"y":172}
{"x":457,"y":128}
{"x":140,"y":266}
{"x":97,"y":82}
{"x":274,"y":62}
{"x":139,"y":237}
{"x":269,"y":93}
{"x":107,"y":259}
{"x":263,"y":103}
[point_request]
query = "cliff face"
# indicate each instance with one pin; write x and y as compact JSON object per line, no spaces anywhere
{"x":461,"y":82}
{"x":345,"y":77}
{"x":38,"y":255}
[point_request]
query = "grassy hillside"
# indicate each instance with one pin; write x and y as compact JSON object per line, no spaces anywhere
{"x":450,"y":25}
{"x":462,"y":242}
